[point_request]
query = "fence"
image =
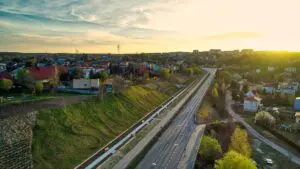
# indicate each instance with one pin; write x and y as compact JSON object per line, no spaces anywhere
{"x":15,"y":141}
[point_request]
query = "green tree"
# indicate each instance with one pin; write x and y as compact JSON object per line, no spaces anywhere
{"x":188,"y":71}
{"x":165,"y":74}
{"x":197,"y":70}
{"x":210,"y":149}
{"x":223,"y":87}
{"x":25,"y":78}
{"x":245,"y":88}
{"x":234,"y":85}
{"x":39,"y":87}
{"x":234,"y":160}
{"x":31,"y":62}
{"x":215,"y":92}
{"x":291,"y":100}
{"x":240,"y":143}
{"x":54,"y":81}
{"x":77,"y":74}
{"x":103,"y":76}
{"x":5,"y":84}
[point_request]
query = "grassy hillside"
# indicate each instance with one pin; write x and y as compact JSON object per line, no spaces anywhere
{"x":63,"y":137}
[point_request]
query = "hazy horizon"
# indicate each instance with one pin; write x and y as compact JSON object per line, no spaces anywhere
{"x":98,"y":26}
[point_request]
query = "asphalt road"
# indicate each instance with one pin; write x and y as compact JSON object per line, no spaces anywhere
{"x":253,"y":132}
{"x":168,"y":151}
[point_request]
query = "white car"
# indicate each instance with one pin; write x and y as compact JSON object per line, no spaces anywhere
{"x":269,"y":161}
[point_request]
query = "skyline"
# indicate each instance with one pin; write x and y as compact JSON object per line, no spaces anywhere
{"x":98,"y":26}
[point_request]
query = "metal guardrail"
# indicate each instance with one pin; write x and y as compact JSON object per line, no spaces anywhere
{"x":104,"y":153}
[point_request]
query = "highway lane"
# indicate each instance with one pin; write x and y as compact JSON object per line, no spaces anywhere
{"x":167,"y":152}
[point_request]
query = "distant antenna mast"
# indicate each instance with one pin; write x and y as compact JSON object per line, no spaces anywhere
{"x":118,"y":48}
{"x":77,"y":51}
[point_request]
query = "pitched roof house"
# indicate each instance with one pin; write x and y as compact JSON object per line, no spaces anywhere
{"x":43,"y":73}
{"x":6,"y":75}
{"x":251,"y":102}
{"x":270,"y":87}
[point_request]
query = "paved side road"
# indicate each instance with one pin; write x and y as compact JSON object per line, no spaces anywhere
{"x":190,"y":155}
{"x":283,"y":151}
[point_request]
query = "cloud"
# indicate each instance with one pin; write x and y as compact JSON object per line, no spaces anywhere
{"x":232,"y":35}
{"x":153,"y":23}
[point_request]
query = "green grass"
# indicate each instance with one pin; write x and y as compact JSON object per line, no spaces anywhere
{"x":64,"y":137}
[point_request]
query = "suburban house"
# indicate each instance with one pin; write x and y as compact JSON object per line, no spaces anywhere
{"x":290,"y":69}
{"x":86,"y":83}
{"x":288,"y":89}
{"x":270,"y":88}
{"x":6,"y":75}
{"x":86,"y":72}
{"x":297,"y":104}
{"x":2,"y":67}
{"x":44,"y":74}
{"x":271,"y":68}
{"x":297,"y":117}
{"x":63,"y":69}
{"x":251,"y":102}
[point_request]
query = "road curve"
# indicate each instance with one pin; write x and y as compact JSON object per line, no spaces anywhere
{"x":253,"y":132}
{"x":168,"y":151}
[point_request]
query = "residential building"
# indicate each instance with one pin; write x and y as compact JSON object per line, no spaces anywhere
{"x":86,"y":83}
{"x":195,"y":52}
{"x":270,"y":88}
{"x":86,"y":72}
{"x":44,"y":74}
{"x":11,"y":66}
{"x":291,"y":69}
{"x":6,"y":75}
{"x":288,"y":89}
{"x":258,"y":70}
{"x":251,"y":102}
{"x":2,"y":67}
{"x":297,"y":117}
{"x":297,"y":104}
{"x":271,"y":68}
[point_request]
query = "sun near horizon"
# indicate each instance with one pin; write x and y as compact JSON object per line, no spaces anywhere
{"x":98,"y":26}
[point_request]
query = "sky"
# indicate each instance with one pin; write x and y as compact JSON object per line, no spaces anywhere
{"x":98,"y":26}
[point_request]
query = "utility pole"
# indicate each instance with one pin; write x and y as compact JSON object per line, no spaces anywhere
{"x":118,"y":48}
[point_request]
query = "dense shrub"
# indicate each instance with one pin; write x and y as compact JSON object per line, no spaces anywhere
{"x":5,"y":84}
{"x":239,"y":142}
{"x":165,"y":74}
{"x":264,"y":118}
{"x":234,"y":160}
{"x":39,"y":87}
{"x":210,"y":149}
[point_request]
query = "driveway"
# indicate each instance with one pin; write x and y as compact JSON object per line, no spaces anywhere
{"x":283,"y":151}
